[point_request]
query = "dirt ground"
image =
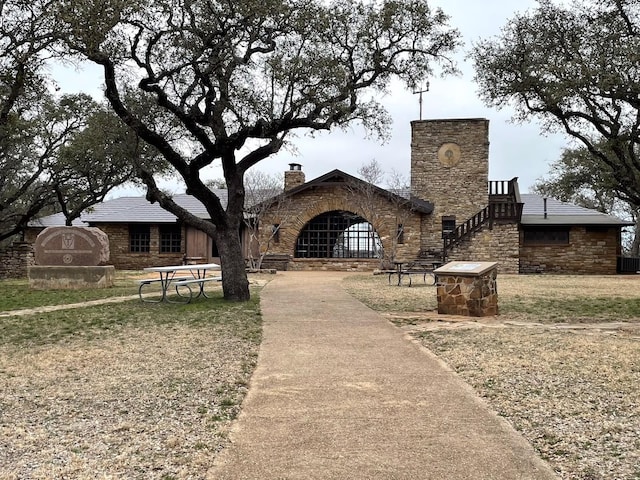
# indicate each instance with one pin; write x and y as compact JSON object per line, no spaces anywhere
{"x":562,"y":363}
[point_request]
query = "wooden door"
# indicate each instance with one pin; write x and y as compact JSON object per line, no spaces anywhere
{"x":197,"y":246}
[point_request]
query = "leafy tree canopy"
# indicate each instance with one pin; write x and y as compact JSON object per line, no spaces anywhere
{"x":580,"y":178}
{"x":57,"y":152}
{"x":239,"y":76}
{"x":576,"y":68}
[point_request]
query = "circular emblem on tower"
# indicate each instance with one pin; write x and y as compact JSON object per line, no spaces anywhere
{"x":449,"y":154}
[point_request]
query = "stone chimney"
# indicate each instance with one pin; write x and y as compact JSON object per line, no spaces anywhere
{"x":293,"y":177}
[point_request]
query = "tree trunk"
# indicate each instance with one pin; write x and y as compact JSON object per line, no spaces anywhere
{"x":635,"y":244}
{"x":235,"y":285}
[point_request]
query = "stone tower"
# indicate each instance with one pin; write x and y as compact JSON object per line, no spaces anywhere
{"x":450,"y":168}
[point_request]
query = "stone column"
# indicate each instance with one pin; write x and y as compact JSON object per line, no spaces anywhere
{"x":468,"y":289}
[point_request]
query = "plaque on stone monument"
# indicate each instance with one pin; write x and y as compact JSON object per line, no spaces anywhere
{"x":72,"y":246}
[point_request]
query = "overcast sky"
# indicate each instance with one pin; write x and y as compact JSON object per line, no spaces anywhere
{"x":516,"y":150}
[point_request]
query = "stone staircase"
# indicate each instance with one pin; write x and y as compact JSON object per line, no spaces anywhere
{"x":504,"y":206}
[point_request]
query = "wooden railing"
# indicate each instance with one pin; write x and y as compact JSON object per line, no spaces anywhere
{"x":508,"y":211}
{"x":502,"y":187}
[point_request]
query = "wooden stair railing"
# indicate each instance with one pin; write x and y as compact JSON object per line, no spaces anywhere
{"x":507,"y":211}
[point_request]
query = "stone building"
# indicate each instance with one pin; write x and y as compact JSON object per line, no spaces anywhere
{"x":338,"y":222}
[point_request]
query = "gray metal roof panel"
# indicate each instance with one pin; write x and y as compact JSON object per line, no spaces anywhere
{"x":140,"y":210}
{"x":55,"y":220}
{"x":560,"y":213}
{"x":132,"y":210}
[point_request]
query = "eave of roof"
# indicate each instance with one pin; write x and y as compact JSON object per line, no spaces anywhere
{"x":588,"y":220}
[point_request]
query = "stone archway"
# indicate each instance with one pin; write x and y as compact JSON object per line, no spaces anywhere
{"x":338,"y":234}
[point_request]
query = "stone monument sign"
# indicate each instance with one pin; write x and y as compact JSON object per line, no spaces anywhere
{"x":86,"y":246}
{"x":71,"y":258}
{"x":468,"y":288}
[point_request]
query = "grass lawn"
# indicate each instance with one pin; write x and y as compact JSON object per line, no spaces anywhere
{"x":16,"y":294}
{"x":124,"y":390}
{"x":132,"y":390}
{"x":561,"y":362}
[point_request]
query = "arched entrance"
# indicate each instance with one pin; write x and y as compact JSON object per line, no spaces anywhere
{"x":338,"y":234}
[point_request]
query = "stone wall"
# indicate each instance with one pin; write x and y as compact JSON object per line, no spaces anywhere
{"x":16,"y":259}
{"x":123,"y":259}
{"x":501,"y":244}
{"x":382,"y":213}
{"x":293,"y":178}
{"x":590,"y":251}
{"x":473,"y":296}
{"x":450,"y":168}
{"x":335,"y":264}
{"x":71,"y":277}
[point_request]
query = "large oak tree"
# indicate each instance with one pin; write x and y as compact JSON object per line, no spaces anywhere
{"x":239,"y":76}
{"x":57,"y":152}
{"x":576,"y":68}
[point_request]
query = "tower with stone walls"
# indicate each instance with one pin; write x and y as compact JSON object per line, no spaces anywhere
{"x":449,"y":168}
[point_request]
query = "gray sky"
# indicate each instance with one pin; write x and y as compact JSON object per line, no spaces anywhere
{"x":516,"y":150}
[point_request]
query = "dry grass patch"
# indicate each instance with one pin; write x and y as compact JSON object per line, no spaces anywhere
{"x":574,"y":396}
{"x":125,"y":390}
{"x":561,"y":362}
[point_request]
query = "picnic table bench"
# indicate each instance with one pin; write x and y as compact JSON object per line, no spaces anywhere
{"x":182,"y":283}
{"x":415,"y":267}
{"x":200,"y":281}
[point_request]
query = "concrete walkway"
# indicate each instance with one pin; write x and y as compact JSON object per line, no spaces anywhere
{"x":339,"y":393}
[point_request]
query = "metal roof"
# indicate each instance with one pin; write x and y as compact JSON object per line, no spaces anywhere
{"x":133,"y":210}
{"x":140,"y":210}
{"x":55,"y":220}
{"x":560,"y":213}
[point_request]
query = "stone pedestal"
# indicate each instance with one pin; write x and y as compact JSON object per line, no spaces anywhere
{"x":468,"y":288}
{"x":46,"y":277}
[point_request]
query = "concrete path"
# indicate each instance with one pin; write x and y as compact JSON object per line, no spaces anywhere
{"x":340,"y":393}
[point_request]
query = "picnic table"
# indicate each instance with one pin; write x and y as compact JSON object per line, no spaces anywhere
{"x":415,"y":267}
{"x":181,"y":277}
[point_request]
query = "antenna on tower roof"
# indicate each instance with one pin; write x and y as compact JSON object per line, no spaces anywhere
{"x":420,"y":92}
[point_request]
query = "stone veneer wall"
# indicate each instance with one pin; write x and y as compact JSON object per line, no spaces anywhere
{"x":335,"y":264}
{"x":473,"y":296}
{"x":123,"y":259}
{"x":588,"y":252}
{"x":380,"y":212}
{"x":16,"y":259}
{"x":460,"y":189}
{"x":293,"y":178}
{"x":501,"y":244}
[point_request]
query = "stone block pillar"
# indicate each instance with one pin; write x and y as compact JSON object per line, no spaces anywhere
{"x":293,"y":177}
{"x":468,"y":289}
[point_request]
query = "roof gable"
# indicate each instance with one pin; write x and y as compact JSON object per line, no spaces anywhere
{"x":340,"y":178}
